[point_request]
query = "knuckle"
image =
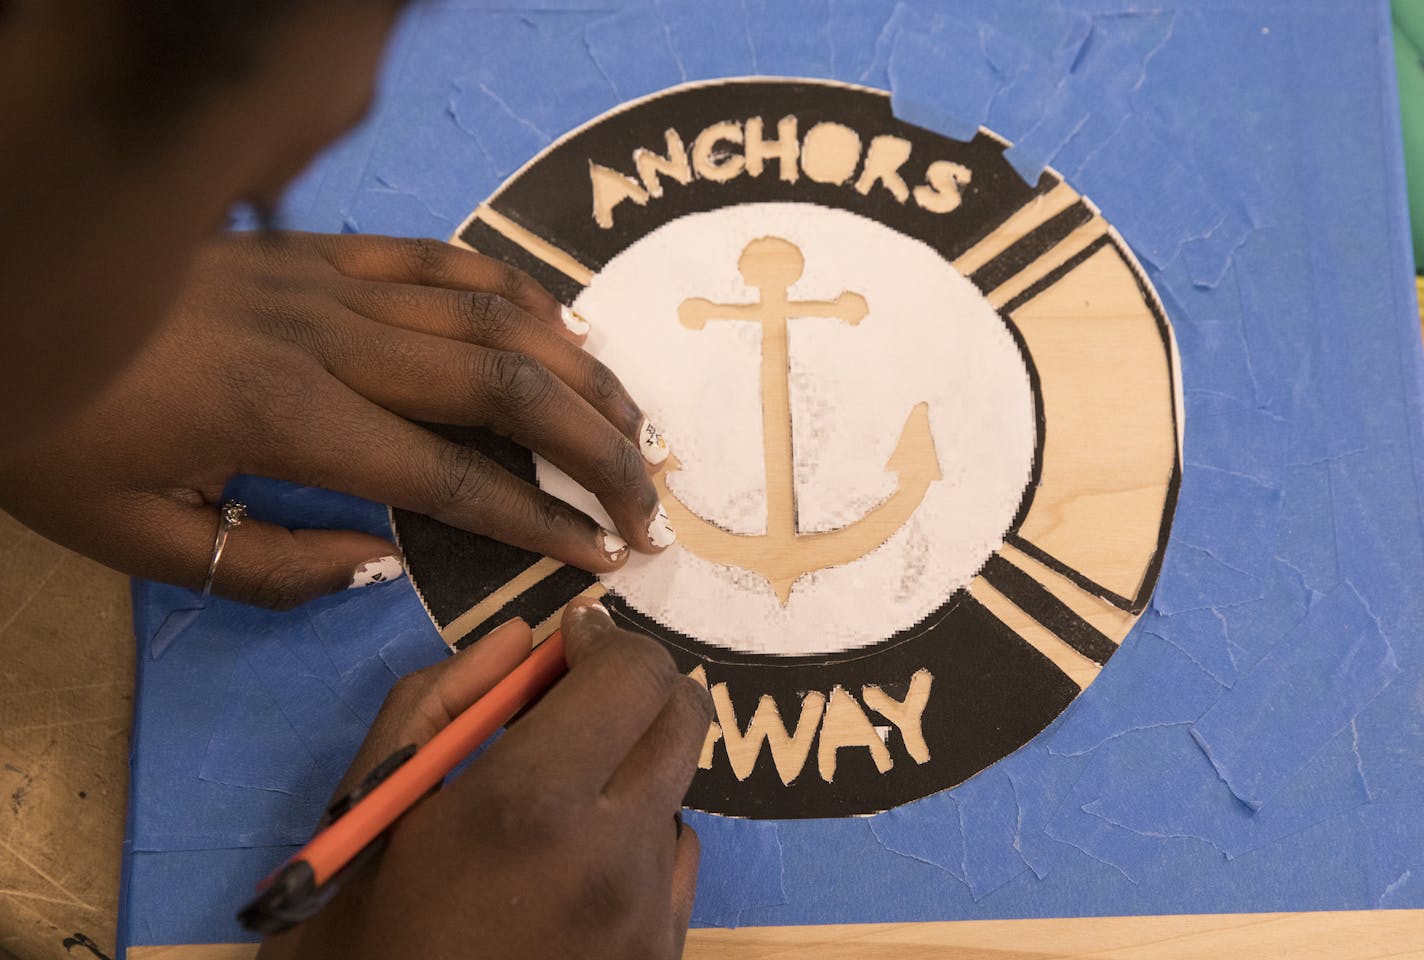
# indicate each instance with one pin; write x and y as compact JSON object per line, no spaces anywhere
{"x":603,"y":383}
{"x":427,"y":257}
{"x":549,"y":513}
{"x":621,"y":472}
{"x":518,"y":380}
{"x":490,"y":316}
{"x":460,"y":476}
{"x":511,"y":283}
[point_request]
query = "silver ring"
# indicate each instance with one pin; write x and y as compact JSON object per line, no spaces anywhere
{"x":230,"y":515}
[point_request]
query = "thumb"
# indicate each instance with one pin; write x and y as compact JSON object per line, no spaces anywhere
{"x":261,"y":563}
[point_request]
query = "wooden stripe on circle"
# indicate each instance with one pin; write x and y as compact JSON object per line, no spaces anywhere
{"x":1030,"y":247}
{"x":559,"y":259}
{"x":1074,"y":665}
{"x":1037,"y":211}
{"x":1108,"y":618}
{"x":1076,"y":242}
{"x":549,"y":624}
{"x":1031,"y":597}
{"x":483,"y":610}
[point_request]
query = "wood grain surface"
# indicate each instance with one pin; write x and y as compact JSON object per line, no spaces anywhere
{"x":1362,"y":935}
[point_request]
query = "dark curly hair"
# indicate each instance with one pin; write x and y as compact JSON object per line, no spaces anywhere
{"x":174,"y":52}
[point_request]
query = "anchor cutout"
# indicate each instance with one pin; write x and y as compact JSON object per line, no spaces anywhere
{"x":783,"y":555}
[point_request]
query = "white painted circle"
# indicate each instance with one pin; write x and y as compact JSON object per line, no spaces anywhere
{"x":929,"y":335}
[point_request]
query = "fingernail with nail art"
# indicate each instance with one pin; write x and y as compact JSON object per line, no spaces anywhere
{"x":380,"y":570}
{"x":660,"y":530}
{"x":614,"y":546}
{"x":575,"y":323}
{"x":651,"y":442}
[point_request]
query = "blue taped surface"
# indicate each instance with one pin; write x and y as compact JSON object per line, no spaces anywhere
{"x":1248,"y":153}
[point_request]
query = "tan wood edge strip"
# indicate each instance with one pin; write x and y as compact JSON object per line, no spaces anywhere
{"x":1077,"y":667}
{"x":549,"y":624}
{"x":486,"y":608}
{"x":1059,"y":254}
{"x":1339,"y":935}
{"x":1113,"y":621}
{"x":1036,"y":212}
{"x":560,"y":260}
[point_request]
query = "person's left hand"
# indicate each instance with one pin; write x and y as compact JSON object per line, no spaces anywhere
{"x":306,"y":357}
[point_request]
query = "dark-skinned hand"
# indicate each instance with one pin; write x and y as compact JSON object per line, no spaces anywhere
{"x":306,"y":357}
{"x":559,"y":841}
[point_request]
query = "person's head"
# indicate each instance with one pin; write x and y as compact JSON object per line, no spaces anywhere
{"x":128,"y":128}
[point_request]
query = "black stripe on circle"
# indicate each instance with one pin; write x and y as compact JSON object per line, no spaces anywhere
{"x":492,"y":243}
{"x":1033,"y":598}
{"x":1030,"y":247}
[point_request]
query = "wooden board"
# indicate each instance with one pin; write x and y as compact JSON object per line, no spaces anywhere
{"x":1364,"y":935}
{"x":767,"y":208}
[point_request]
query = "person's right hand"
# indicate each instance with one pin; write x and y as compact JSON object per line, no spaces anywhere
{"x":559,"y":841}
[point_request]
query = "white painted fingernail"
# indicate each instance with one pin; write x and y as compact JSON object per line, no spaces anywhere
{"x":380,"y":570}
{"x":596,"y":608}
{"x":660,"y":530}
{"x":613,"y":545}
{"x":576,"y":324}
{"x":651,"y":442}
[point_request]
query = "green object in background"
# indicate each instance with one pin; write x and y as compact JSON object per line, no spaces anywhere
{"x":1409,"y":66}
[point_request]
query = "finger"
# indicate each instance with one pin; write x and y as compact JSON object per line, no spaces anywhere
{"x":492,"y":321}
{"x":658,"y":770}
{"x":261,"y":563}
{"x":434,"y":263}
{"x":427,"y":378}
{"x":581,"y":730}
{"x":423,"y":703}
{"x":348,"y":443}
{"x":685,"y":859}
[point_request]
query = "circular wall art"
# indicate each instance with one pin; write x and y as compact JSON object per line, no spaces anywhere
{"x":925,"y":427}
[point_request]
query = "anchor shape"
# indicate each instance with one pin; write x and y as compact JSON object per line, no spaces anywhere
{"x":782,"y":555}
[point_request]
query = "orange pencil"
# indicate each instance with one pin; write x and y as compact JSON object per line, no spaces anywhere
{"x":300,"y":887}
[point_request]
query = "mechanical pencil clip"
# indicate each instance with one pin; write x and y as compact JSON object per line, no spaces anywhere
{"x":356,"y":822}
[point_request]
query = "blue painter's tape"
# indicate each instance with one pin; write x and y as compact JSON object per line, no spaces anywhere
{"x":1214,"y":506}
{"x":1184,"y":209}
{"x":655,"y":67}
{"x":919,"y":82}
{"x":741,"y":867}
{"x":253,"y":744}
{"x":902,"y":830}
{"x":1201,"y":635}
{"x":708,"y":40}
{"x":989,"y":823}
{"x":1131,"y":696}
{"x":789,"y":38}
{"x":857,"y":29}
{"x":1176,"y":794}
{"x":1253,"y":629}
{"x":1299,"y":696}
{"x":1192,"y":579}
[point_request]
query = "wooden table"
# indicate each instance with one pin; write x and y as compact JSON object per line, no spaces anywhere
{"x":65,"y":711}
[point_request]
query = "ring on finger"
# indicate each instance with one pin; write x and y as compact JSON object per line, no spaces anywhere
{"x":230,"y":515}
